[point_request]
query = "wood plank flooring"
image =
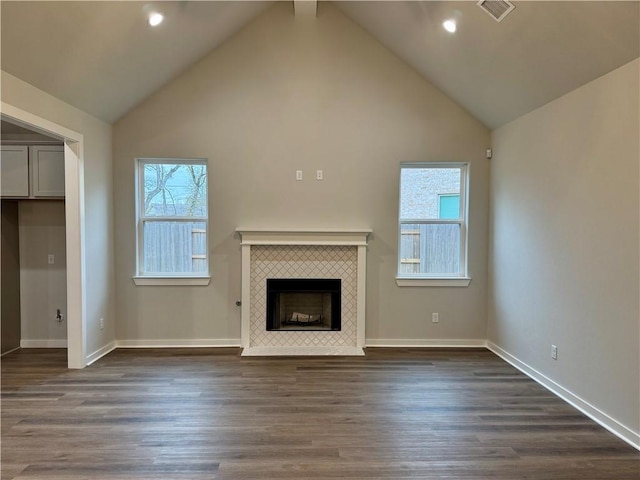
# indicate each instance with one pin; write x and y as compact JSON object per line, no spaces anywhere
{"x":210,"y":414}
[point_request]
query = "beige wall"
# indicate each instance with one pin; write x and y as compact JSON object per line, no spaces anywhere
{"x":287,"y":94}
{"x":565,"y":243}
{"x":43,"y":287}
{"x":10,"y":278}
{"x":98,"y":207}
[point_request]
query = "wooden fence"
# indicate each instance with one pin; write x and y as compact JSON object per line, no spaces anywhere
{"x":171,"y":247}
{"x":430,"y":248}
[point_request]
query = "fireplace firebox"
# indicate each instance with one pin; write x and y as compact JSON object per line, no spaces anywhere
{"x":303,"y":304}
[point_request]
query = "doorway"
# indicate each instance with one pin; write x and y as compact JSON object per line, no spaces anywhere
{"x":74,"y":221}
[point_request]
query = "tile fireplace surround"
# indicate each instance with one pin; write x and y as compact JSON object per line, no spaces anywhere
{"x":310,"y":253}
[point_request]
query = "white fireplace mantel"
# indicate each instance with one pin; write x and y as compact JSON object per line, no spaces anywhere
{"x":317,"y":236}
{"x":321,"y":237}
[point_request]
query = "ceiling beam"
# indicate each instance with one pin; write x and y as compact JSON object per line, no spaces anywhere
{"x":305,"y":8}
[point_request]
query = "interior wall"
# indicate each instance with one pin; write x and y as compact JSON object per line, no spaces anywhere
{"x":287,"y":94}
{"x":565,"y":243}
{"x":10,"y":277}
{"x":98,"y":207}
{"x":13,"y":133}
{"x":43,"y":286}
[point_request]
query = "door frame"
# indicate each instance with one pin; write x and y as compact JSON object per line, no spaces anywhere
{"x":75,"y":225}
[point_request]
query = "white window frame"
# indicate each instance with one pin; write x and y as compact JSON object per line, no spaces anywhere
{"x":460,"y":279}
{"x":166,"y":278}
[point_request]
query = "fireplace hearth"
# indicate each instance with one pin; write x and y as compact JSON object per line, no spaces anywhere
{"x":303,"y":304}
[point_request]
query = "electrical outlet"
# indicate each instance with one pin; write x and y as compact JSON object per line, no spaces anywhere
{"x":298,"y":174}
{"x":435,"y":318}
{"x":102,"y":324}
{"x":554,"y":352}
{"x":319,"y":175}
{"x":51,"y":259}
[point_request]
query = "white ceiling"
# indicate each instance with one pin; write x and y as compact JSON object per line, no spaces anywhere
{"x":500,"y":71}
{"x":102,"y":57}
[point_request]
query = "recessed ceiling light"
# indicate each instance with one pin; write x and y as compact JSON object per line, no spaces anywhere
{"x":155,"y":19}
{"x":450,"y":25}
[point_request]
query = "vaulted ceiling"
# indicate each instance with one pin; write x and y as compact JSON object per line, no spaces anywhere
{"x":499,"y":71}
{"x":103,"y":58}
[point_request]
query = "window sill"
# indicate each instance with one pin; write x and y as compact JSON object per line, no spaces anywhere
{"x":172,"y":281}
{"x":432,"y":282}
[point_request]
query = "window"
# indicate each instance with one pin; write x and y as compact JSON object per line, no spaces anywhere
{"x":432,"y":227}
{"x":172,"y":218}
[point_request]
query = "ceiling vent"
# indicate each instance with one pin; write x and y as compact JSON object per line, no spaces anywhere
{"x":498,"y":9}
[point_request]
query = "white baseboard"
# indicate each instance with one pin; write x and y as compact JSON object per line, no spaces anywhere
{"x":9,"y":351}
{"x":426,"y":343}
{"x":180,"y":343}
{"x":597,"y":415}
{"x":101,"y":352}
{"x":236,"y":342}
{"x":44,"y":343}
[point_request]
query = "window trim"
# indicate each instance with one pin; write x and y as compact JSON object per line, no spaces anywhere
{"x":433,"y":282}
{"x":462,"y":278}
{"x":171,"y":281}
{"x":166,"y":278}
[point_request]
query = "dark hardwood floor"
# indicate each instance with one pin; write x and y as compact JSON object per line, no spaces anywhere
{"x":210,"y":414}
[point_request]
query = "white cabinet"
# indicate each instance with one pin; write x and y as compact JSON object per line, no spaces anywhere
{"x":14,"y":171}
{"x":46,"y":164}
{"x":32,"y":172}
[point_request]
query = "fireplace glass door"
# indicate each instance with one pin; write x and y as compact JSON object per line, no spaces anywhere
{"x":303,"y":304}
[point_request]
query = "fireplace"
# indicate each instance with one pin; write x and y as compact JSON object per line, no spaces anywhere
{"x":324,"y":319}
{"x":304,"y":304}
